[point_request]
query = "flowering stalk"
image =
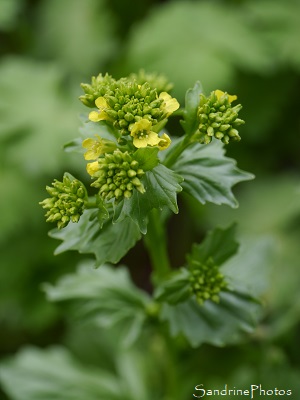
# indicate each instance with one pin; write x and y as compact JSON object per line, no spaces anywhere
{"x":131,"y":179}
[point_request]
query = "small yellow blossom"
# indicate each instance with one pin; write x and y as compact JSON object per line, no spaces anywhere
{"x":170,"y":104}
{"x":92,"y":168}
{"x":165,"y":142}
{"x":96,"y":147}
{"x":142,"y":134}
{"x":219,"y":94}
{"x":100,"y":115}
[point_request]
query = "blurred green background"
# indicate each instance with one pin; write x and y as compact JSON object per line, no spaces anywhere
{"x":246,"y":47}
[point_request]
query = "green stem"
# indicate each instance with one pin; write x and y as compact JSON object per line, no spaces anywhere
{"x":156,"y":244}
{"x":176,"y":151}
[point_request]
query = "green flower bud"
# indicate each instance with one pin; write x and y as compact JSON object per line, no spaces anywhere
{"x":217,"y":118}
{"x":67,"y":202}
{"x":206,"y":281}
{"x":120,"y":179}
{"x":122,"y":102}
{"x":155,"y":81}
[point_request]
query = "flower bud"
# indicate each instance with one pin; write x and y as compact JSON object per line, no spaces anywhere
{"x":218,"y":118}
{"x":206,"y":281}
{"x":67,"y":202}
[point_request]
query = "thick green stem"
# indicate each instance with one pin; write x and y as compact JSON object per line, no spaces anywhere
{"x":156,"y":244}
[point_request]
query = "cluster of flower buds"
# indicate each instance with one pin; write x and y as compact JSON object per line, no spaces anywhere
{"x":217,"y":118}
{"x":156,"y":81}
{"x":206,"y":281}
{"x":129,"y":103}
{"x":99,"y":86}
{"x":117,"y":174}
{"x":67,"y":201}
{"x":136,"y":111}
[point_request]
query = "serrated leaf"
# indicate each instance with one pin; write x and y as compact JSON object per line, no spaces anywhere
{"x":219,"y":244}
{"x":161,"y":185}
{"x":147,"y":157}
{"x":54,"y":373}
{"x":109,"y":243}
{"x":175,"y":289}
{"x":208,"y":175}
{"x":217,"y":324}
{"x":107,"y":295}
{"x":192,"y":99}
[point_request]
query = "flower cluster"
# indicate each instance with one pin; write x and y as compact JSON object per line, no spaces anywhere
{"x":136,"y":111}
{"x":116,"y":174}
{"x":67,"y":201}
{"x":156,"y":81}
{"x":99,"y":86}
{"x":218,"y":118}
{"x":131,"y":103}
{"x":206,"y":281}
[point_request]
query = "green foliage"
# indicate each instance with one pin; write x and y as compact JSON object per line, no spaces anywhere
{"x":219,"y":244}
{"x":232,"y":35}
{"x":244,"y":47}
{"x":217,"y":324}
{"x":107,"y":296}
{"x":88,"y":237}
{"x":192,"y":100}
{"x":209,"y":175}
{"x":55,"y":373}
{"x":161,"y":185}
{"x":77,"y":25}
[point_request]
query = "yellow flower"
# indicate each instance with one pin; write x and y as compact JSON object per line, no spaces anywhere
{"x":142,"y":135}
{"x":92,"y":168}
{"x":100,"y":115}
{"x":96,"y":147}
{"x":170,"y":104}
{"x":165,"y":142}
{"x":219,"y":94}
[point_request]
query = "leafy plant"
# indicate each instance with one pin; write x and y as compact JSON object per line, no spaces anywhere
{"x":137,"y":172}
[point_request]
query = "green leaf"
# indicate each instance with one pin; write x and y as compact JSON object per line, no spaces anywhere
{"x":54,"y":373}
{"x":161,"y":185}
{"x":192,"y":99}
{"x":219,"y":244}
{"x":217,"y":324}
{"x":108,"y":244}
{"x":208,"y":175}
{"x":107,"y":295}
{"x":147,"y":157}
{"x":175,"y":289}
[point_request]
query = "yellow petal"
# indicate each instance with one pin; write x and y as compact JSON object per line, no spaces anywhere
{"x":170,"y":104}
{"x":219,"y":94}
{"x":92,"y":168}
{"x":137,"y":142}
{"x":141,"y":125}
{"x":164,"y":142}
{"x":94,"y":116}
{"x":153,"y":138}
{"x":87,"y":143}
{"x":101,"y":103}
